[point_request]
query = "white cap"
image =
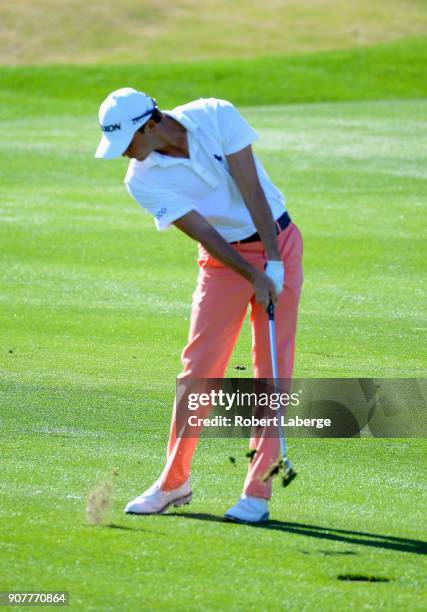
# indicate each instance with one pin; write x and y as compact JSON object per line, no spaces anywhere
{"x":121,"y":114}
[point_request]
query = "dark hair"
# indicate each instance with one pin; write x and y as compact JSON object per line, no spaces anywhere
{"x":156,"y":115}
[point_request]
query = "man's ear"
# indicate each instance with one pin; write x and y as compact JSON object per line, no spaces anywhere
{"x":150,"y":125}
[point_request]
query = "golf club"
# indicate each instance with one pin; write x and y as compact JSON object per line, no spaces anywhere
{"x":284,"y":463}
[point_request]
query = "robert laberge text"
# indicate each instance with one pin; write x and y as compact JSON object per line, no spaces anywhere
{"x":241,"y":421}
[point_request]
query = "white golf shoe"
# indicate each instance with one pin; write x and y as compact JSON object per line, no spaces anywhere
{"x":248,"y":510}
{"x":156,"y":501}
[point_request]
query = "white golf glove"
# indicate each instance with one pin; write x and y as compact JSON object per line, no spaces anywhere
{"x":276,"y":271}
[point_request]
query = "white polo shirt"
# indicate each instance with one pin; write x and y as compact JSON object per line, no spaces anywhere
{"x":169,"y":187}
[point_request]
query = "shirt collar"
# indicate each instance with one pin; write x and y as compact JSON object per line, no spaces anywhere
{"x":182,"y":118}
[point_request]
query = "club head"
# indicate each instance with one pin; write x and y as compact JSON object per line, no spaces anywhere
{"x":288,"y":476}
{"x":272,"y":471}
{"x":282,"y":465}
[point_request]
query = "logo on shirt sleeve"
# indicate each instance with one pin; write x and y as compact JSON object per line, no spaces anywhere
{"x":218,"y":157}
{"x":160,"y":213}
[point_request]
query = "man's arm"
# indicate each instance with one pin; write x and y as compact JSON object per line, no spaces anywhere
{"x":198,"y":228}
{"x":243,"y":171}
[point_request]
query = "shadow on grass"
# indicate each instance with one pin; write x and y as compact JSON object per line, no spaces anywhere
{"x":324,"y":533}
{"x":125,"y":528}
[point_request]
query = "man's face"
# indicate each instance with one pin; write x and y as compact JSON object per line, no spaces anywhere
{"x":141,"y":144}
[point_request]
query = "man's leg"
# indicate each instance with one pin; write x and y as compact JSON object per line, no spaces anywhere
{"x":290,"y":245}
{"x":219,"y":307}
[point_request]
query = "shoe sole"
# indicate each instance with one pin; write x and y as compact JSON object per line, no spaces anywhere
{"x":233,"y":519}
{"x":181,"y":501}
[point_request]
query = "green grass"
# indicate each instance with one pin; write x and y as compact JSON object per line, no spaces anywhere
{"x":389,"y":71}
{"x":77,"y":31}
{"x":96,"y":338}
{"x":322,"y":527}
{"x":82,"y":261}
{"x":94,"y":313}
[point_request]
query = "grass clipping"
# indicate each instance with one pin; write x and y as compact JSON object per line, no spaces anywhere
{"x":99,"y":501}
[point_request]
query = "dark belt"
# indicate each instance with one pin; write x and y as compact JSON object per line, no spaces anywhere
{"x":281,"y":224}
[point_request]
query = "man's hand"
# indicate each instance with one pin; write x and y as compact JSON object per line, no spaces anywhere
{"x":264,"y":288}
{"x":276,"y":271}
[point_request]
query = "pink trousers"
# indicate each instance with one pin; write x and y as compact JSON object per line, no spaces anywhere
{"x":220,"y":303}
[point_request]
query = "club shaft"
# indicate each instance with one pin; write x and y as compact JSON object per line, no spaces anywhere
{"x":273,"y":351}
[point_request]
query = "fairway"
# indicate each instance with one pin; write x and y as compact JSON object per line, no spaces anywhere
{"x":83,"y":260}
{"x":94,"y":313}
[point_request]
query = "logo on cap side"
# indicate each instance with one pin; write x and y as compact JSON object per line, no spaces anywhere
{"x":113,"y":127}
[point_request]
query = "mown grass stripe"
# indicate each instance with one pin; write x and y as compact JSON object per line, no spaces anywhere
{"x":387,"y":71}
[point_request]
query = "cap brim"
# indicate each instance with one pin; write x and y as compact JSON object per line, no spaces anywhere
{"x":109,"y":149}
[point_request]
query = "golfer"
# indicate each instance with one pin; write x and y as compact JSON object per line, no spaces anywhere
{"x":193,"y":167}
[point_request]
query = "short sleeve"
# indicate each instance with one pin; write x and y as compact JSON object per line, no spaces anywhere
{"x":165,"y":206}
{"x":235,"y":131}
